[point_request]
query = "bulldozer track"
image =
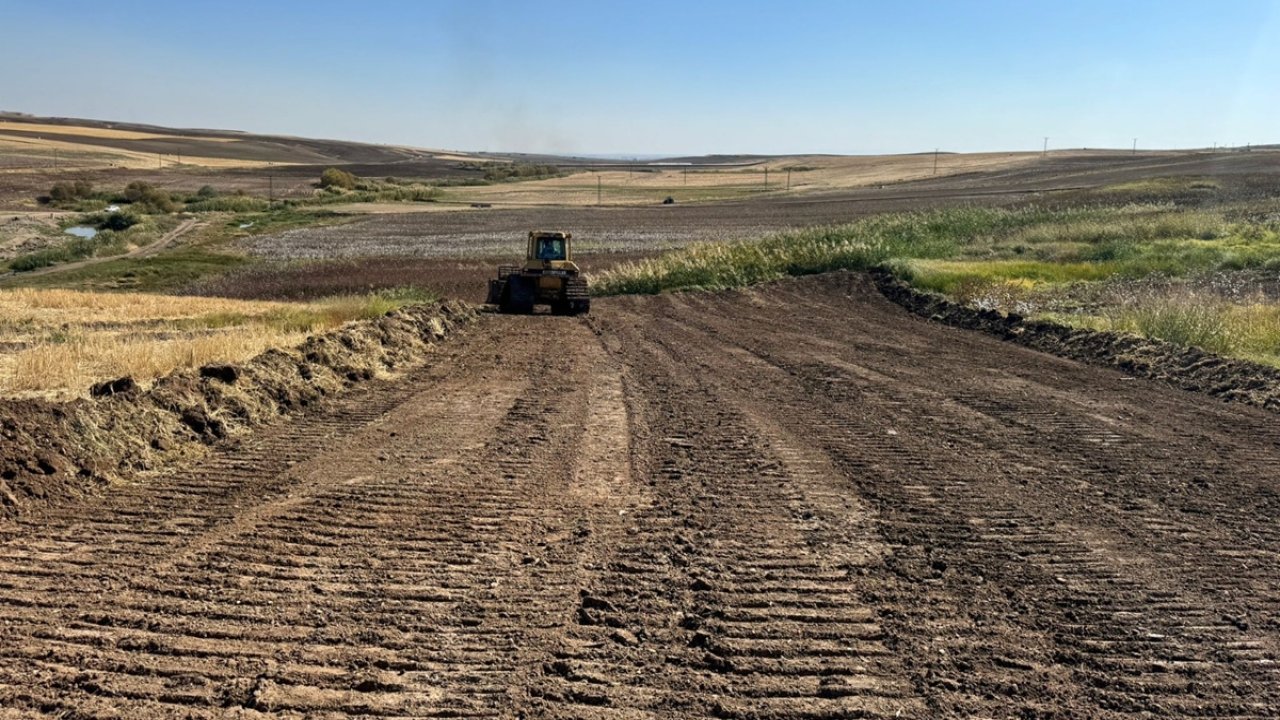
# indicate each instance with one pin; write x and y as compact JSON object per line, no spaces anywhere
{"x":791,"y":502}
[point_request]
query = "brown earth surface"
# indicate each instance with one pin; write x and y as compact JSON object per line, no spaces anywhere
{"x":500,"y":230}
{"x":458,"y":278}
{"x":798,"y":501}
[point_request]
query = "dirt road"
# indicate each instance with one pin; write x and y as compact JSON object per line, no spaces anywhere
{"x":793,"y":502}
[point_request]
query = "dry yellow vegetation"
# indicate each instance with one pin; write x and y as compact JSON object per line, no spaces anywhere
{"x":810,"y":173}
{"x":16,"y":152}
{"x":98,"y":132}
{"x":56,"y":343}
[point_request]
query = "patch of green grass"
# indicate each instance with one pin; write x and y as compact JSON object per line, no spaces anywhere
{"x":1162,"y":186}
{"x":116,"y":239}
{"x":343,"y":308}
{"x":313,"y":314}
{"x":156,"y":273}
{"x":229,"y":203}
{"x":1248,"y":330}
{"x":948,"y":276}
{"x":203,"y":254}
{"x":277,"y":218}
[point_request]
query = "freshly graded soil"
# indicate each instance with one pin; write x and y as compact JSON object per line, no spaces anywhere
{"x":795,"y":501}
{"x":1186,"y":367}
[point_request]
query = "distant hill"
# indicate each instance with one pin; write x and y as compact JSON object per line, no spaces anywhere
{"x":196,"y":145}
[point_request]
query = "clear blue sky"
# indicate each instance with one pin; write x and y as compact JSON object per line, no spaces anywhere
{"x":661,"y":76}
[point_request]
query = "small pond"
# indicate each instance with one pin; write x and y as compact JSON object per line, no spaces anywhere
{"x":82,"y":231}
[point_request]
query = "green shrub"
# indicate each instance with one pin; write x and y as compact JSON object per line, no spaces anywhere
{"x":335,"y":178}
{"x":148,"y":198}
{"x":229,"y":203}
{"x":62,"y":192}
{"x":118,"y":221}
{"x":66,"y":192}
{"x":498,"y":172}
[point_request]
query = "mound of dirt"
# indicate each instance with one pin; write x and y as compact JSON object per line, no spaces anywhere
{"x":1185,"y":367}
{"x":50,"y":451}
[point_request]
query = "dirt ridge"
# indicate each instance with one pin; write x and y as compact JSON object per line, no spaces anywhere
{"x":1188,"y":368}
{"x":52,"y":451}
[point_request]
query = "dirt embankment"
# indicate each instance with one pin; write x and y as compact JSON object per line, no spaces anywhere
{"x":51,"y":451}
{"x":1185,"y":367}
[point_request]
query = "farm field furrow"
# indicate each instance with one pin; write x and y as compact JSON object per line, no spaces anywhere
{"x":793,"y":501}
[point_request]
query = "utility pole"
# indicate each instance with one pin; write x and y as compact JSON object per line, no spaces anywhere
{"x":598,"y":186}
{"x":1135,"y":146}
{"x":1045,"y":151}
{"x":788,"y":178}
{"x":935,"y":161}
{"x":766,"y":176}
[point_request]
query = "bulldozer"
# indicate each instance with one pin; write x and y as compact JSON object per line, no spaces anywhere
{"x":548,"y":277}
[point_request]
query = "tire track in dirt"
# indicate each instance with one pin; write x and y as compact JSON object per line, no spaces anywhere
{"x":733,"y":594}
{"x":792,"y":502}
{"x":406,"y":569}
{"x":1105,"y":605}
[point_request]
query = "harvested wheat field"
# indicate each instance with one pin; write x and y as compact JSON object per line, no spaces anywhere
{"x":56,"y":343}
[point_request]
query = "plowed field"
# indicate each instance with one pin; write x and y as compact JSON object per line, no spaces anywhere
{"x":793,"y":502}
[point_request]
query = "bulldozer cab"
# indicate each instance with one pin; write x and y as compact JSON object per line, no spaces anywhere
{"x":550,"y":249}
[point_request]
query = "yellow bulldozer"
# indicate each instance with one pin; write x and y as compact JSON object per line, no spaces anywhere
{"x":548,"y":277}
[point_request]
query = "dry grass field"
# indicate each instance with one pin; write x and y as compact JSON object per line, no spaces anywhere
{"x":804,"y":173}
{"x":56,"y":343}
{"x":20,"y":153}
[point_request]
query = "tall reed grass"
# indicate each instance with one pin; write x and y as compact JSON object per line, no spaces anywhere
{"x":1030,"y":243}
{"x":1012,"y":260}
